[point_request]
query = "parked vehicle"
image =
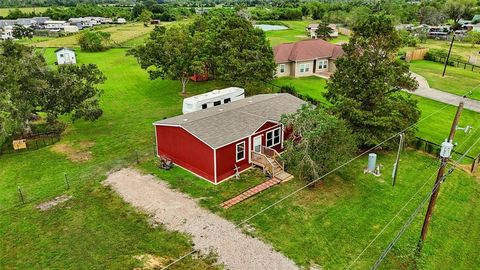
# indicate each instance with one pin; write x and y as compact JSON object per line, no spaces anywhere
{"x":213,"y":98}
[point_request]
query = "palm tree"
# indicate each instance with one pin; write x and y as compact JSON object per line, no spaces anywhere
{"x":323,"y":31}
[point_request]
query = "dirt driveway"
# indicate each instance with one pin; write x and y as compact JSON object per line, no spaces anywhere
{"x":180,"y":213}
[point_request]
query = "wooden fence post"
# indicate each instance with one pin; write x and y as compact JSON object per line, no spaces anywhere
{"x":475,"y":164}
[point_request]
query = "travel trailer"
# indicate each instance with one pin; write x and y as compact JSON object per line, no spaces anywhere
{"x":213,"y":98}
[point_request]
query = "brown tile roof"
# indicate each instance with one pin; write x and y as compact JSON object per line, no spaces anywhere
{"x":306,"y":50}
{"x":227,"y":123}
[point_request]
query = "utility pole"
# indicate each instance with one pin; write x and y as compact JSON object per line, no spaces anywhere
{"x":447,"y":147}
{"x":448,"y":56}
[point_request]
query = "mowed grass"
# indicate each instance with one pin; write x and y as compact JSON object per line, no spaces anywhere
{"x":120,"y":34}
{"x":295,"y":33}
{"x":435,"y":121}
{"x":331,"y":224}
{"x":94,"y":229}
{"x":4,"y":11}
{"x":457,"y":81}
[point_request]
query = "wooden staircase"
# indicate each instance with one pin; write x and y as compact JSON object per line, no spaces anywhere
{"x":268,"y":160}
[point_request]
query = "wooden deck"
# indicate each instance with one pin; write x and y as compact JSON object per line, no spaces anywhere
{"x":268,"y":160}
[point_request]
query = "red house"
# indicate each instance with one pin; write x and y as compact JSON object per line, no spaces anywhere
{"x":219,"y":142}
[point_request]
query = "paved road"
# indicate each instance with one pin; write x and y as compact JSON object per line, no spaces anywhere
{"x":424,"y":90}
{"x":181,"y":213}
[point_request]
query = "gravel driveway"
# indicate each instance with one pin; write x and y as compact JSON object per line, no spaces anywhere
{"x":180,"y":213}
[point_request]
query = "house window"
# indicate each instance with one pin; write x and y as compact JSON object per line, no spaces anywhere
{"x":273,"y":137}
{"x":304,"y":68}
{"x":216,"y":103}
{"x":240,"y":151}
{"x":322,"y":64}
{"x":227,"y":100}
{"x":282,"y":68}
{"x":204,"y":106}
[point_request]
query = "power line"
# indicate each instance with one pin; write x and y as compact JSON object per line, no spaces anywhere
{"x":417,"y":210}
{"x":328,"y":173}
{"x":404,"y":206}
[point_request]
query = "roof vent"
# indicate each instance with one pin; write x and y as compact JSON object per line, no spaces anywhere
{"x":250,"y":101}
{"x":221,"y":110}
{"x":185,"y":119}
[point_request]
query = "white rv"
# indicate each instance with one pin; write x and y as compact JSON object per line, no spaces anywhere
{"x":212,"y":98}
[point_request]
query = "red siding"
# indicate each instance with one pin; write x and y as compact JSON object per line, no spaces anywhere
{"x":263,"y":131}
{"x":266,"y":126}
{"x":226,"y":160}
{"x":185,"y":150}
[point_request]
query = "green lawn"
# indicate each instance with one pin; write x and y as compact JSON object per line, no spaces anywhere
{"x":457,"y":81}
{"x":328,"y":226}
{"x":435,"y":128}
{"x":331,"y":224}
{"x":459,"y":48}
{"x":4,"y":11}
{"x":95,"y":228}
{"x":295,"y":33}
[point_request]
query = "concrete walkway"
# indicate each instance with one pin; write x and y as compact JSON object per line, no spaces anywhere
{"x":181,"y":213}
{"x":424,"y":90}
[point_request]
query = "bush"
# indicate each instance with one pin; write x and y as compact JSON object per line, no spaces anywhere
{"x":56,"y":127}
{"x":419,"y":144}
{"x":436,"y":55}
{"x":94,"y":41}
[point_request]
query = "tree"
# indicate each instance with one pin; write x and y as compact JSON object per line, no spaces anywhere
{"x":233,"y":49}
{"x":431,"y":16}
{"x":319,"y":142}
{"x":94,"y":41}
{"x":173,"y":53}
{"x":324,"y":30}
{"x":20,"y":31}
{"x":32,"y":88}
{"x":366,"y":89}
{"x":473,"y":37}
{"x":145,"y":17}
{"x":455,"y":9}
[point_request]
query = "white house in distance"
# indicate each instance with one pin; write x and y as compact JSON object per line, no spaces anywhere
{"x":65,"y":56}
{"x":55,"y":25}
{"x":6,"y":33}
{"x":311,"y":28}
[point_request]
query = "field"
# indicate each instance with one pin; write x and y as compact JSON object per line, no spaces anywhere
{"x":120,"y":34}
{"x":95,"y":227}
{"x":457,"y":81}
{"x":4,"y":11}
{"x":295,"y":33}
{"x":328,"y":225}
{"x":459,"y":48}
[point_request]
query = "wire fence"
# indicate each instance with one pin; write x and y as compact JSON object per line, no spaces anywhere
{"x":455,"y":63}
{"x":33,"y":142}
{"x":21,"y":194}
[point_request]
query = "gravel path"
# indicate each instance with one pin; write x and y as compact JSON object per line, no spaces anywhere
{"x":424,"y":90}
{"x":180,"y":213}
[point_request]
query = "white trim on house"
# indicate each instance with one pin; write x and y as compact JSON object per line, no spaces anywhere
{"x":215,"y":165}
{"x":236,"y":151}
{"x":282,"y":68}
{"x":279,"y":129}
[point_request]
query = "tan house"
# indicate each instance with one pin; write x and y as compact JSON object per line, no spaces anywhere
{"x":306,"y":58}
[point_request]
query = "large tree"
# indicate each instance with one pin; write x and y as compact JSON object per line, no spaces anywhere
{"x":324,"y":30}
{"x":171,"y":53}
{"x":234,"y":50}
{"x":366,"y":89}
{"x":456,"y":9}
{"x":94,"y":41}
{"x":28,"y":86}
{"x":319,"y":143}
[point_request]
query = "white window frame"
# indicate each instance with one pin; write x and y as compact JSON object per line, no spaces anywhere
{"x":272,"y":132}
{"x":304,"y":68}
{"x":237,"y":152}
{"x":282,"y":68}
{"x":323,"y":64}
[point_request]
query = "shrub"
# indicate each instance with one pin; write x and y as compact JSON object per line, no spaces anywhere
{"x":56,"y":127}
{"x":94,"y":41}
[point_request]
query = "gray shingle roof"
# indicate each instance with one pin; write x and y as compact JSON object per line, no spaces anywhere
{"x":221,"y":125}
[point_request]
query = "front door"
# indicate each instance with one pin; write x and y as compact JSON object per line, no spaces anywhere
{"x":257,"y":143}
